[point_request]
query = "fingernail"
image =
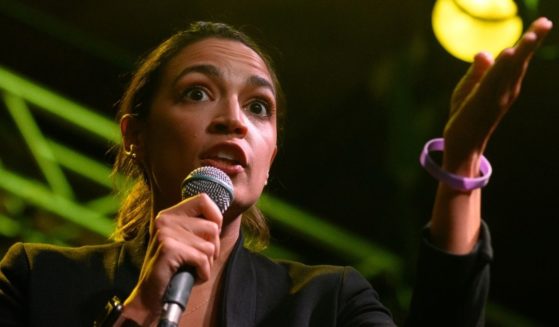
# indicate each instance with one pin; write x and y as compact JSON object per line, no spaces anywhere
{"x":548,"y":21}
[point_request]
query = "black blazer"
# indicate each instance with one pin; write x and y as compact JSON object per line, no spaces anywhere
{"x":45,"y":285}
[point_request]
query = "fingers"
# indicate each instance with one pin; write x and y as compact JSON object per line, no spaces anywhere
{"x":189,"y":234}
{"x":522,"y":51}
{"x":482,"y":62}
{"x":194,"y":252}
{"x":201,"y":206}
{"x":540,"y":27}
{"x":487,"y":91}
{"x":503,"y":81}
{"x":198,"y":233}
{"x":532,"y":39}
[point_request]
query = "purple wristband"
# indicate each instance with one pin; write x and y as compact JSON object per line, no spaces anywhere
{"x":454,"y":181}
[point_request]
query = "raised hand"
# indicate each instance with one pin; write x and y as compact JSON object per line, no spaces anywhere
{"x":481,"y":99}
{"x":484,"y":96}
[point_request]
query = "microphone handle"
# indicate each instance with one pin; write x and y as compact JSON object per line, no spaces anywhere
{"x":176,"y":296}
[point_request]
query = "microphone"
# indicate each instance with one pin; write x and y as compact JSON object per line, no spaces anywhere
{"x":218,"y":186}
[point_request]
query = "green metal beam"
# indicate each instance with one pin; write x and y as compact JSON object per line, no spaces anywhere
{"x":82,"y":165}
{"x":49,"y":101}
{"x":35,"y":193}
{"x":38,"y":145}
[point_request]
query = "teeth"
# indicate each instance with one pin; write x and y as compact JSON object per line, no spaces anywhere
{"x":225,"y":155}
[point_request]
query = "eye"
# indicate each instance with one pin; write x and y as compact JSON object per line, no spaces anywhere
{"x":260,"y":108}
{"x":195,"y":94}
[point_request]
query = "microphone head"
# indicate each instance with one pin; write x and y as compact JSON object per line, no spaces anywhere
{"x":212,"y":181}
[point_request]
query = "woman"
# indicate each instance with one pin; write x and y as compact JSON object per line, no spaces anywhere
{"x":208,"y":96}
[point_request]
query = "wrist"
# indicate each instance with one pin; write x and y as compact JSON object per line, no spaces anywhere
{"x":124,"y":321}
{"x":464,"y":175}
{"x":458,"y":163}
{"x":134,"y":313}
{"x":469,"y":167}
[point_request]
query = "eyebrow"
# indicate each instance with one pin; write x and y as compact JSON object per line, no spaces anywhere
{"x":258,"y":81}
{"x":209,"y":70}
{"x":213,"y":71}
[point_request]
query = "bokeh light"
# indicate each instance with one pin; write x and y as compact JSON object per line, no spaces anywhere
{"x":466,"y":27}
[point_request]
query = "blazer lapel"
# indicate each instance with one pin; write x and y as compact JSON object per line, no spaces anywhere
{"x":239,"y":289}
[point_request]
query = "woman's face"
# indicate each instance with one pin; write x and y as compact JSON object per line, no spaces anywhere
{"x":215,"y":106}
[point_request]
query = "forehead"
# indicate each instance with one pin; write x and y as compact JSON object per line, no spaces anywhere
{"x":228,"y":55}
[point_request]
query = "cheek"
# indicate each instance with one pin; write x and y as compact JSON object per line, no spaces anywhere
{"x":170,"y":149}
{"x":265,"y":156}
{"x":168,"y":131}
{"x":162,"y":139}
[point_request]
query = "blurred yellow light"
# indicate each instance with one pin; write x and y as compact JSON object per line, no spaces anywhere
{"x":466,"y":27}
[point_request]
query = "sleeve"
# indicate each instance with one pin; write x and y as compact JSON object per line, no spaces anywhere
{"x":359,"y":303}
{"x":14,"y":269}
{"x":451,"y":290}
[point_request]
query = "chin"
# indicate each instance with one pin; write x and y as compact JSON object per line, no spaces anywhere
{"x":241,"y":203}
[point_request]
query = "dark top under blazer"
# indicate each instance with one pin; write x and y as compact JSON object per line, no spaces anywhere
{"x":45,"y":285}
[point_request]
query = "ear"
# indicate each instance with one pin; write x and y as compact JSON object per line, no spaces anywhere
{"x":271,"y":162}
{"x":272,"y":159}
{"x":274,"y":155}
{"x":131,"y":130}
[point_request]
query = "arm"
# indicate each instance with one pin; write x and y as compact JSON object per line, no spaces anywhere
{"x":479,"y":102}
{"x":453,"y":270}
{"x":451,"y":290}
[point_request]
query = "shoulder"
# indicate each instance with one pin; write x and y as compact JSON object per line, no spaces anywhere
{"x":303,"y":275}
{"x":46,"y":257}
{"x":341,"y":282}
{"x":327,"y":288}
{"x":37,"y":252}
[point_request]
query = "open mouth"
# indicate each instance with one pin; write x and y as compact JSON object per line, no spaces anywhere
{"x":225,"y":156}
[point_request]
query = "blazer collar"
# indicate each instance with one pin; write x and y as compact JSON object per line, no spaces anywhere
{"x":238,"y":303}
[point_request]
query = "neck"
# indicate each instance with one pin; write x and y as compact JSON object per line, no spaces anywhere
{"x":229,"y":234}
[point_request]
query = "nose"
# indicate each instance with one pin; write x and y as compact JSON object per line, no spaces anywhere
{"x":230,"y":119}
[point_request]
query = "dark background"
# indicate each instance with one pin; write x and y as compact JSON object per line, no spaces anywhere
{"x":367,"y":84}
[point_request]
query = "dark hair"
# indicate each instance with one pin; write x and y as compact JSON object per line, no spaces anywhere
{"x":134,"y":214}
